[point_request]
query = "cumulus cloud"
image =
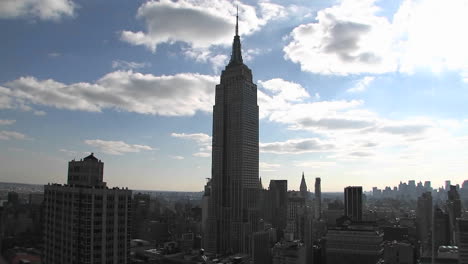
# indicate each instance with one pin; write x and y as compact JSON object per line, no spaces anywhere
{"x":347,"y":38}
{"x":41,"y":9}
{"x":116,"y":147}
{"x":201,"y":24}
{"x":202,"y":140}
{"x":352,"y":37}
{"x":206,"y":55}
{"x":168,"y":95}
{"x":278,"y":94}
{"x":6,"y":122}
{"x":9,"y":135}
{"x":296,"y":146}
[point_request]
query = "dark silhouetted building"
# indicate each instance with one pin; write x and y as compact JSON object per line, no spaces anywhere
{"x":454,"y":209}
{"x":353,"y":202}
{"x":303,"y":187}
{"x":278,"y":209}
{"x":235,"y":154}
{"x":423,"y":222}
{"x":354,"y":244}
{"x":462,"y":237}
{"x":318,"y":199}
{"x":441,"y":230}
{"x":86,"y":222}
{"x":261,"y":251}
{"x":398,"y":253}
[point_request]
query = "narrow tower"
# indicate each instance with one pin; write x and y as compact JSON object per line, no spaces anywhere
{"x":318,"y":199}
{"x":235,"y":183}
{"x":303,"y":188}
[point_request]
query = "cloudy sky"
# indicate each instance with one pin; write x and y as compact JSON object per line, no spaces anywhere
{"x":361,"y":92}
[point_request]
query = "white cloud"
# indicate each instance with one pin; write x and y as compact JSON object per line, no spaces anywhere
{"x":116,"y":147}
{"x":205,"y":55}
{"x":169,"y":95}
{"x":4,"y":122}
{"x":314,"y":164}
{"x":202,"y":154}
{"x":41,"y":9}
{"x":203,"y":141}
{"x":201,"y":24}
{"x":250,"y":54}
{"x":347,"y":38}
{"x":129,"y":65}
{"x":351,"y":37}
{"x":278,"y":95}
{"x":361,"y":85}
{"x":288,"y":91}
{"x":200,"y":138}
{"x":9,"y":135}
{"x":296,"y":146}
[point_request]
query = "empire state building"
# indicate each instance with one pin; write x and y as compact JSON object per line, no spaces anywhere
{"x":232,"y":214}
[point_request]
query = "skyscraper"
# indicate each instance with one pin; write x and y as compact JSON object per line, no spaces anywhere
{"x":278,"y":199}
{"x":318,"y":199}
{"x":235,"y":182}
{"x":454,"y":209}
{"x":84,"y":221}
{"x":423,"y":222}
{"x":353,"y":202}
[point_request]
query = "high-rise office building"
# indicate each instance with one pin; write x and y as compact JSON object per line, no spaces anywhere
{"x":441,"y":233}
{"x":447,"y":185}
{"x":423,"y":222}
{"x":318,"y":199}
{"x":84,"y":221}
{"x":353,"y":202}
{"x":235,"y":182}
{"x":278,"y":206}
{"x":454,"y":209}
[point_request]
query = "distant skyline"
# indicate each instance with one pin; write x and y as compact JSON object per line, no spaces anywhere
{"x":364,"y":93}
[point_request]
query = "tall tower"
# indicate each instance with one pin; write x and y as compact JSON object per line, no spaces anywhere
{"x":318,"y":199}
{"x":303,"y":187}
{"x":235,"y":182}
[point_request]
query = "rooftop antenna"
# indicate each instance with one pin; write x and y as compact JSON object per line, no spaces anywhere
{"x":237,"y":21}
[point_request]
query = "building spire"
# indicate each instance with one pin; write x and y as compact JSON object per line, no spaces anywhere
{"x":237,"y":21}
{"x":303,"y":187}
{"x":236,"y":55}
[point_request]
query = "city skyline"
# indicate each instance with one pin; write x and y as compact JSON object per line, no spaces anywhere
{"x":362,"y":107}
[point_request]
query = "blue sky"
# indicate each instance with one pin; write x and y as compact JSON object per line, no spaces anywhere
{"x":356,"y":92}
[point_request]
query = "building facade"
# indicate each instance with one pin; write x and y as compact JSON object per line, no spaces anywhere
{"x":354,"y":245}
{"x":84,"y":221}
{"x":353,"y":202}
{"x":462,"y":237}
{"x":235,"y":154}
